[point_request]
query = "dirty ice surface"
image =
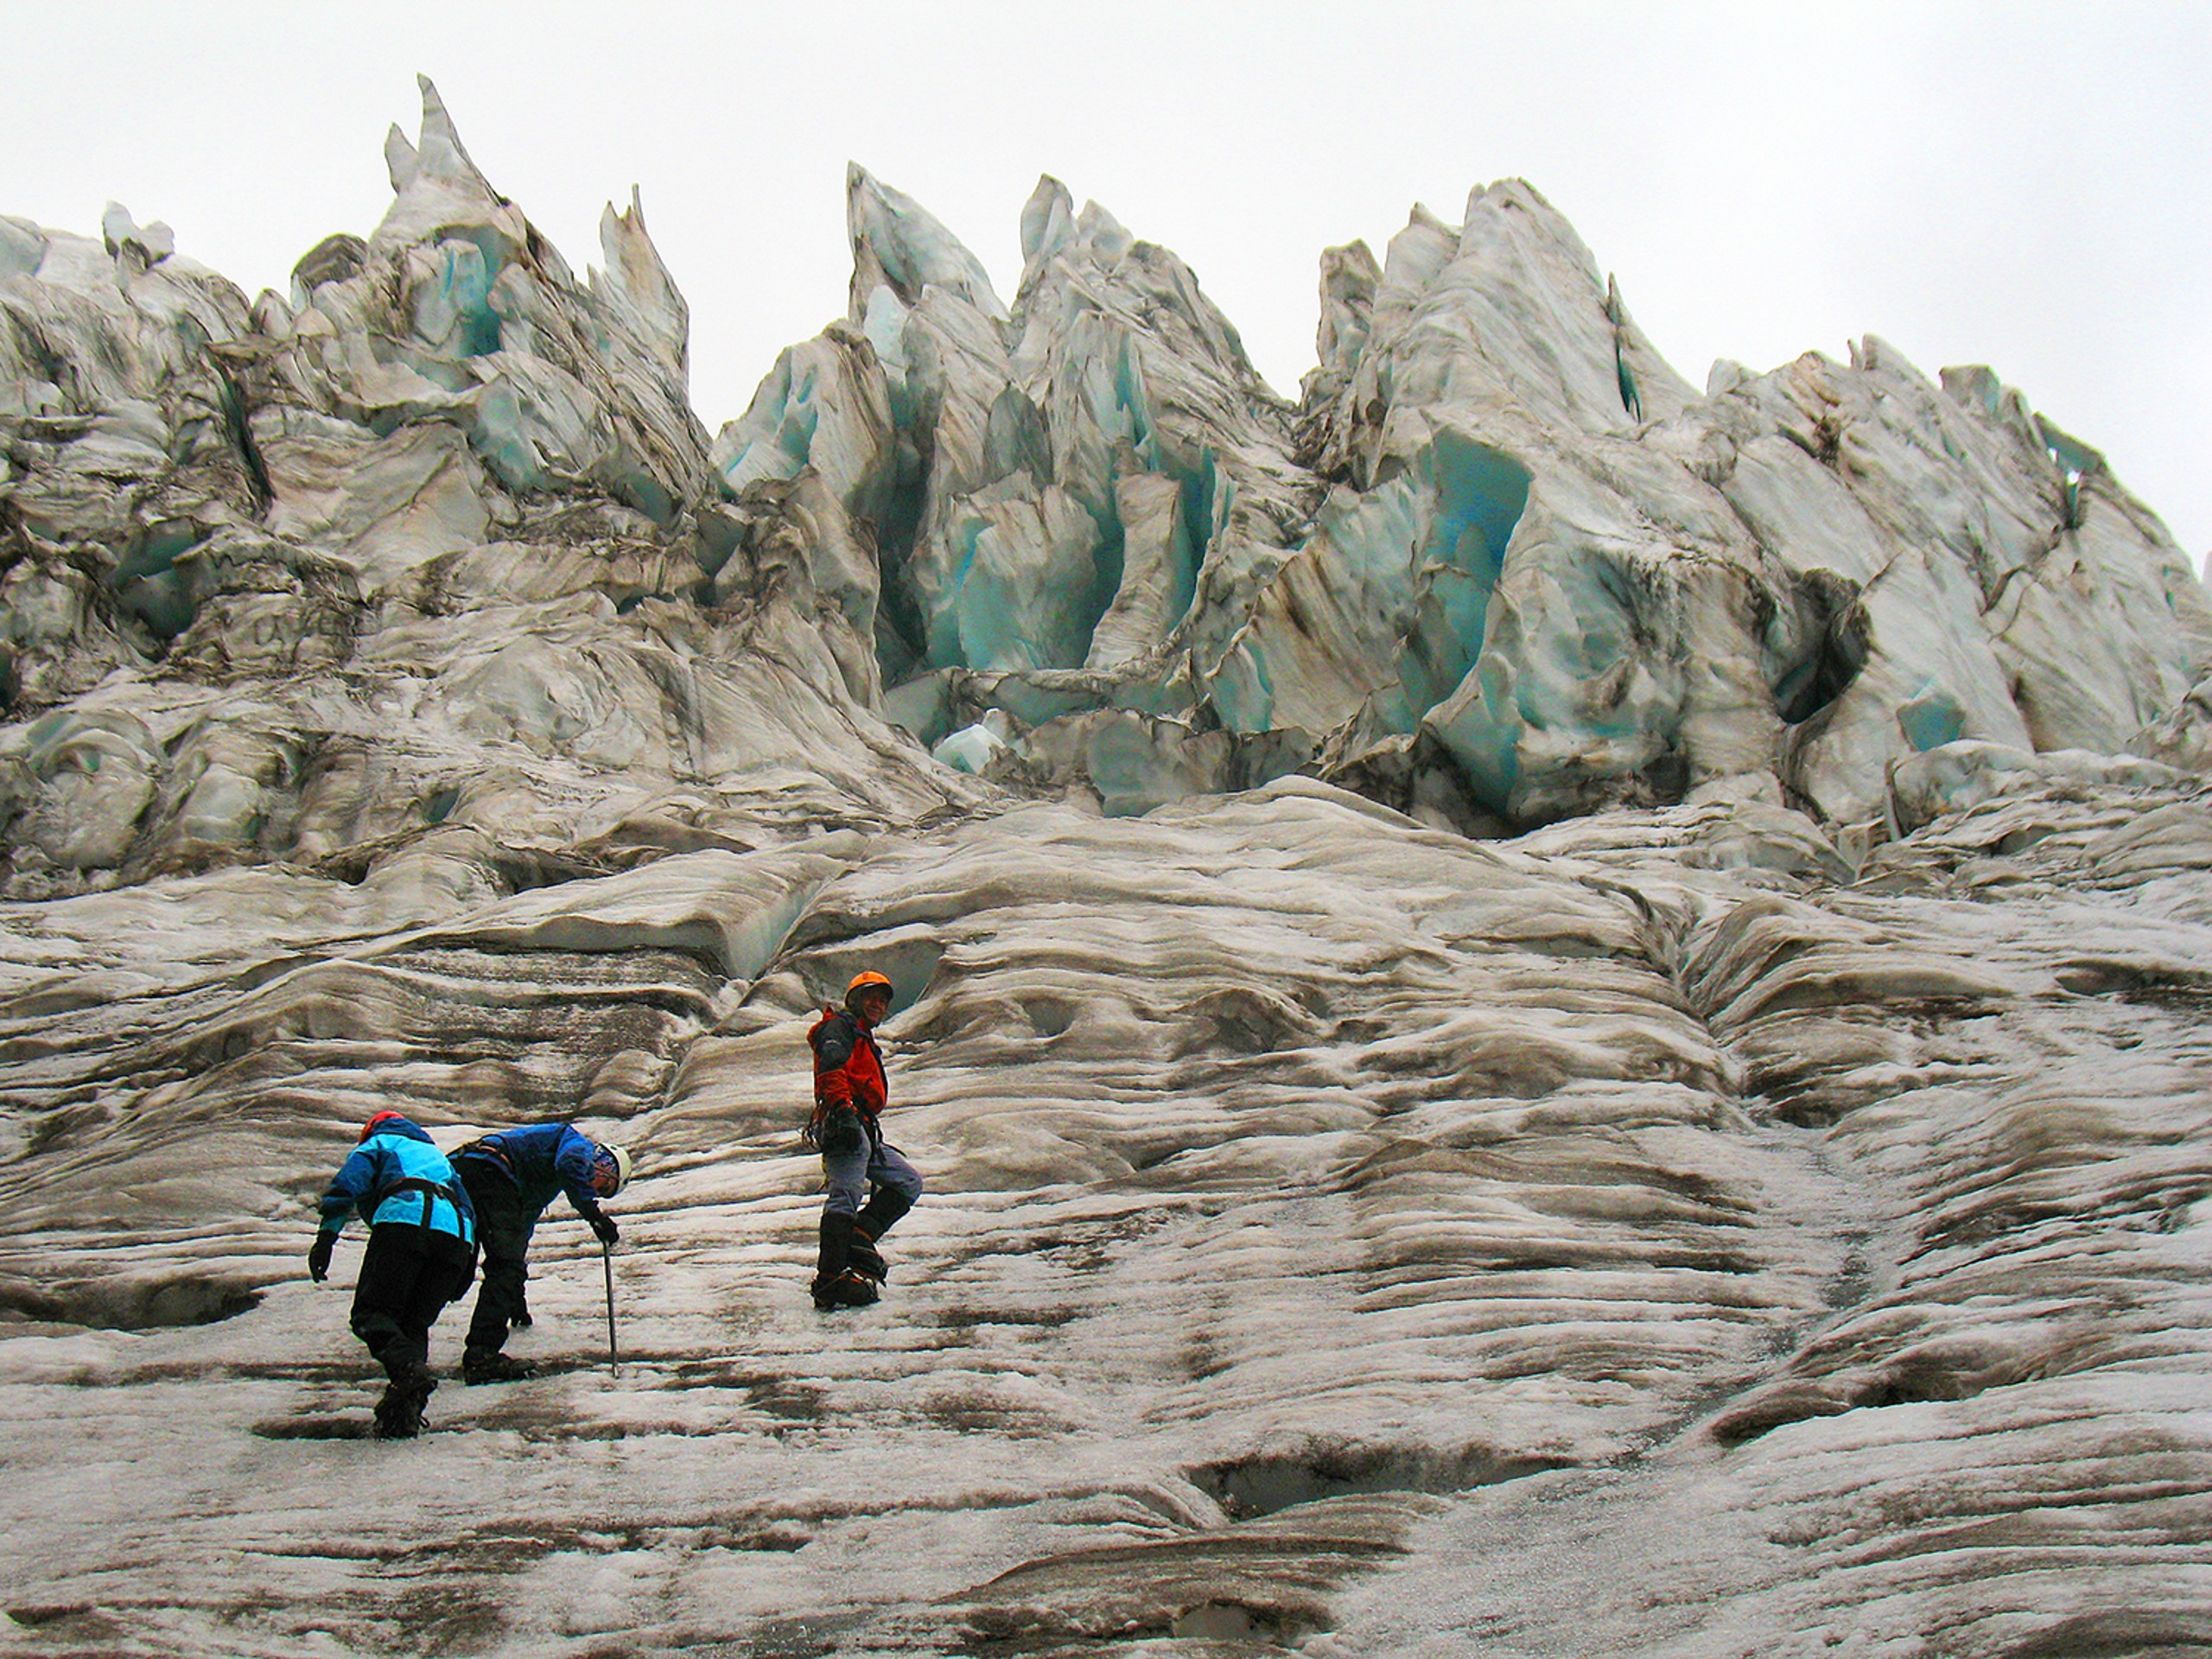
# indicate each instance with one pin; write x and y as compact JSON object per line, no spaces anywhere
{"x":1342,"y":1236}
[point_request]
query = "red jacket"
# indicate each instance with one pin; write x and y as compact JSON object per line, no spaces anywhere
{"x":847,"y":1065}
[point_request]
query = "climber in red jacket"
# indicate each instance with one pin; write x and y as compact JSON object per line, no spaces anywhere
{"x":849,"y":1091}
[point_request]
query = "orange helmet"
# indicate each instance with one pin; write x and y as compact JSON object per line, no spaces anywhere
{"x":866,"y":981}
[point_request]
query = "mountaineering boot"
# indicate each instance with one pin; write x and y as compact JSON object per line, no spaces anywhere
{"x":400,"y":1414}
{"x":419,"y":1393}
{"x":489,"y":1365}
{"x":866,"y":1260}
{"x":851,"y":1289}
{"x":835,"y":1283}
{"x":396,"y":1420}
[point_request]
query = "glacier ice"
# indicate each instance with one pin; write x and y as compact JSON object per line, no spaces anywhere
{"x":1663,"y":930}
{"x":1500,"y":561}
{"x":1500,"y":521}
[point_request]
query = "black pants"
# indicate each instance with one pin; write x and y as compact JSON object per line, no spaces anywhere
{"x":409,"y":1273}
{"x":504,"y":1231}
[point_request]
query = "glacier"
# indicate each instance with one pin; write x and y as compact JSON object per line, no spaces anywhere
{"x":1548,"y":1012}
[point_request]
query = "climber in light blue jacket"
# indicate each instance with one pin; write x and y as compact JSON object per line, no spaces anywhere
{"x":422,"y":1254}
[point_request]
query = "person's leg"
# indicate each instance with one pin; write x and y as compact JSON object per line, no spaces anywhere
{"x":522,"y":1320}
{"x":504,"y":1239}
{"x":896,"y":1185}
{"x":388,"y":1319}
{"x":845,"y":1178}
{"x":446,"y":1267}
{"x":383,"y":1297}
{"x":444,"y":1278}
{"x":844,"y":1181}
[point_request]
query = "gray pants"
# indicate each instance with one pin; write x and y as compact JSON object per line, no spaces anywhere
{"x":877,"y":1164}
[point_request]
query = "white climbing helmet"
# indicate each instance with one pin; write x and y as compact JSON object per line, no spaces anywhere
{"x":615,"y":1161}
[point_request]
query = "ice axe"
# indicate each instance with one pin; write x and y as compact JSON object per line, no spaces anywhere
{"x":606,"y":1260}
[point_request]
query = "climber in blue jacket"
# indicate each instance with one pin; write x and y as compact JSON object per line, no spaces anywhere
{"x":422,"y":1254}
{"x":512,"y":1176}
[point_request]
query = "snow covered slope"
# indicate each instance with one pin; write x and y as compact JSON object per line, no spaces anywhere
{"x":1546,"y":1015}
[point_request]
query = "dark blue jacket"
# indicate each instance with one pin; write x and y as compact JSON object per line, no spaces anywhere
{"x":397,"y":1175}
{"x":544,"y":1160}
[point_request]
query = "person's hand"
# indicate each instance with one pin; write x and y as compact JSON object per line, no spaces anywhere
{"x":841,"y":1135}
{"x":603,"y":1224}
{"x":319,"y":1257}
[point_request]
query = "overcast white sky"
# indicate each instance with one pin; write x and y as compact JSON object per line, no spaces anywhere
{"x":2026,"y":185}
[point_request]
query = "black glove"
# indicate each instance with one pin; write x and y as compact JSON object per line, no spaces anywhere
{"x":319,"y":1257}
{"x":603,"y":1224}
{"x":842,"y":1133}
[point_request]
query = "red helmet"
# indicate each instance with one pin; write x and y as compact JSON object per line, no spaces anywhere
{"x":378,"y":1122}
{"x":861,"y":982}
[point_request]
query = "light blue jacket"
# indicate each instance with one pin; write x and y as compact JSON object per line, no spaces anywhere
{"x":398,"y":1174}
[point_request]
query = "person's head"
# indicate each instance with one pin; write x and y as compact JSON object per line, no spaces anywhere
{"x":869,"y":996}
{"x":380,"y":1121}
{"x":610,"y":1171}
